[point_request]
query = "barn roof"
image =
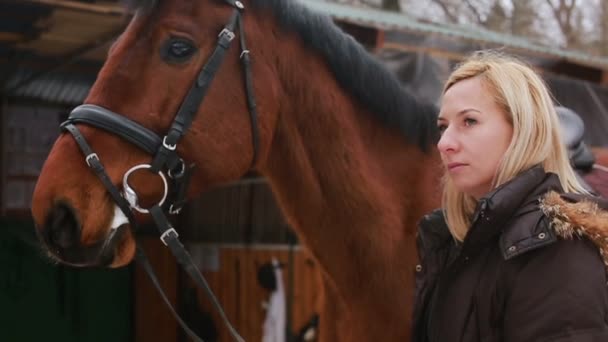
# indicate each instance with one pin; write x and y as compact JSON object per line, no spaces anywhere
{"x":391,"y":21}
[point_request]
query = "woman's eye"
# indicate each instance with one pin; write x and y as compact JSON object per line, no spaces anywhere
{"x":469,"y":122}
{"x":442,"y":127}
{"x":177,"y":50}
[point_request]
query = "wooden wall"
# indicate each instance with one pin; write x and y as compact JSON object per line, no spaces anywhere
{"x":231,"y":271}
{"x":242,"y":212}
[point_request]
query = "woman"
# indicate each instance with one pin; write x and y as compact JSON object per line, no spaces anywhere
{"x":518,"y":252}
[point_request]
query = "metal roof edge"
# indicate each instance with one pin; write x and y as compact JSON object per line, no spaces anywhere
{"x":387,"y":20}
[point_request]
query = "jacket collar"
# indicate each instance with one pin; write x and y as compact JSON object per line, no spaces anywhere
{"x":527,"y":212}
{"x":493,"y":212}
{"x":500,"y":212}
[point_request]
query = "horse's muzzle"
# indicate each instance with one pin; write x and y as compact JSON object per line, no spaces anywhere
{"x":61,"y":235}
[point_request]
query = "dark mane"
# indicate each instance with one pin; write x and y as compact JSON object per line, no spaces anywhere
{"x":359,"y":73}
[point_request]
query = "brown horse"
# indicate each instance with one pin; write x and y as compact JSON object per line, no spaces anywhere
{"x":347,"y":152}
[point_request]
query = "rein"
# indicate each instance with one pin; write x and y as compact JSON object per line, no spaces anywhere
{"x":165,"y":161}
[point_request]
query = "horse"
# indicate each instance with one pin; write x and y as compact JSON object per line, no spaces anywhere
{"x":347,"y":152}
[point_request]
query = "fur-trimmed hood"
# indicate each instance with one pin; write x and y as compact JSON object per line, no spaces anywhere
{"x":573,"y":216}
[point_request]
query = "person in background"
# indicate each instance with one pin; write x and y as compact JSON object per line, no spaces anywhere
{"x":518,"y":250}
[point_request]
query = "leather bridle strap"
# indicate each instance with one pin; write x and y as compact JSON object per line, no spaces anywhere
{"x":116,"y":124}
{"x":143,"y":260}
{"x":166,"y":158}
{"x":190,"y":106}
{"x":95,"y":164}
{"x":92,"y":160}
{"x":170,"y":238}
{"x":251,"y":104}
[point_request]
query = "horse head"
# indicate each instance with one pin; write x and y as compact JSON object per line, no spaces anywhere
{"x":165,"y":62}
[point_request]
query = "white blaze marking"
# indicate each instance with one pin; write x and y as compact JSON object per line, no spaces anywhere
{"x":119,"y":218}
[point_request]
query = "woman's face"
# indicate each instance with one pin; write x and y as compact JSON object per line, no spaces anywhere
{"x":475,"y":136}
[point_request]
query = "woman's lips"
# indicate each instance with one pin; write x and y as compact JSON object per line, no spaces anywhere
{"x":455,"y":166}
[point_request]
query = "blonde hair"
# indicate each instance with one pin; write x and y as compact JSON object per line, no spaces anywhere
{"x":523,"y":95}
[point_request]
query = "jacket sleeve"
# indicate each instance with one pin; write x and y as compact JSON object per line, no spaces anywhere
{"x":558,"y":294}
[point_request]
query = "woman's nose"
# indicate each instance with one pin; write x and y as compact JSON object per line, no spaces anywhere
{"x":448,"y":142}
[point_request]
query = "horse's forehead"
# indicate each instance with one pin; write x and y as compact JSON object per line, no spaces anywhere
{"x":182,"y":8}
{"x":177,"y":13}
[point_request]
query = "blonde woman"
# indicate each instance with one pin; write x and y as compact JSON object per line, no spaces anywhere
{"x":518,"y":252}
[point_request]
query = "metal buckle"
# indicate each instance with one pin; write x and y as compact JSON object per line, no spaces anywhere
{"x":167,"y":146}
{"x":91,"y":156}
{"x":130,"y":194}
{"x":245,"y":52}
{"x":166,"y":234}
{"x":181,"y":171}
{"x":173,"y":210}
{"x":229,"y":34}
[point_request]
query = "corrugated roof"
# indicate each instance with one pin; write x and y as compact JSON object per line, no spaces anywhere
{"x":56,"y":87}
{"x":387,"y":20}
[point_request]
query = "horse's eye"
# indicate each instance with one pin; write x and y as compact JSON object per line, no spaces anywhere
{"x":177,"y":50}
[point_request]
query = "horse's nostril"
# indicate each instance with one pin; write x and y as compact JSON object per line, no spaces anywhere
{"x":61,"y":227}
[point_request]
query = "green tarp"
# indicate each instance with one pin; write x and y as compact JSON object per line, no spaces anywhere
{"x":42,"y":301}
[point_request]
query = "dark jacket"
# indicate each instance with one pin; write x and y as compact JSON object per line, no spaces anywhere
{"x":529,"y":269}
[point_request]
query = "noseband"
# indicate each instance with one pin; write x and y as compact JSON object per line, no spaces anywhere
{"x":166,"y":163}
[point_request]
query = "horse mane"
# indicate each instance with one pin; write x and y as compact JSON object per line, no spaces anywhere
{"x":376,"y":88}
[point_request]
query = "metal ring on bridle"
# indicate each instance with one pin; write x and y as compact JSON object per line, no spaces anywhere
{"x":131,"y":195}
{"x":182,"y":169}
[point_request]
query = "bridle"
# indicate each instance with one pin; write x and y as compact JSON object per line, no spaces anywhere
{"x":166,"y":163}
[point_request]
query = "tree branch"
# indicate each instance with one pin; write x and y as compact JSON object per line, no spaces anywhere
{"x":563,"y":15}
{"x":453,"y":18}
{"x":473,"y":9}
